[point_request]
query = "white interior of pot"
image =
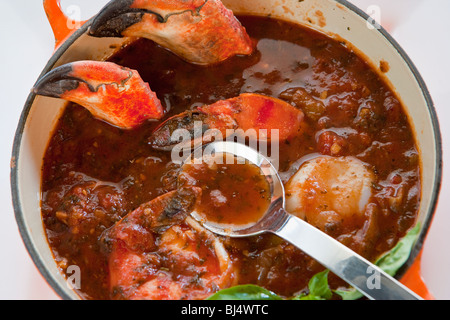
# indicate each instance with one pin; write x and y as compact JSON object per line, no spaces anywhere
{"x":324,"y":15}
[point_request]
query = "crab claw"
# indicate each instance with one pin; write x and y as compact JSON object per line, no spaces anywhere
{"x":269,"y":118}
{"x":199,"y":31}
{"x":110,"y":92}
{"x":158,"y":252}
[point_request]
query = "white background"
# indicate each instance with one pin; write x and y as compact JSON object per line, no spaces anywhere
{"x":421,"y":27}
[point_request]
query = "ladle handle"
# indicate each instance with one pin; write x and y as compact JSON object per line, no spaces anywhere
{"x":369,"y":279}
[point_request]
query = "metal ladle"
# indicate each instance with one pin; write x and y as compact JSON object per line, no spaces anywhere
{"x":339,"y":259}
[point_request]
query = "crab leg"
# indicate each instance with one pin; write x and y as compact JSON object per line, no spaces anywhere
{"x":199,"y":31}
{"x":110,"y":92}
{"x":260,"y":113}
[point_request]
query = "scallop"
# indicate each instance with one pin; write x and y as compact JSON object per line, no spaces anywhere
{"x":329,"y":190}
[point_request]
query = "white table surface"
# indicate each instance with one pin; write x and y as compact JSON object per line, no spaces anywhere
{"x":421,"y":27}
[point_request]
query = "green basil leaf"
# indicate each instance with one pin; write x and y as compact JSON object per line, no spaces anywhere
{"x":349,"y":294}
{"x":392,"y":261}
{"x":245,"y":292}
{"x":318,"y":288}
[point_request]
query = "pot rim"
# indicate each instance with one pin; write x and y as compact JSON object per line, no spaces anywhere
{"x":19,"y":214}
{"x":32,"y":250}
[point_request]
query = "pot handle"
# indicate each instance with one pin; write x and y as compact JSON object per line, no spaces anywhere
{"x":413,"y":279}
{"x":62,"y":25}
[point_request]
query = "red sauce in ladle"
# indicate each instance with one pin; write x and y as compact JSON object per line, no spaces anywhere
{"x":234,"y":191}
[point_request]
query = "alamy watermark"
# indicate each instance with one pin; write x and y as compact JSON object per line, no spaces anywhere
{"x":73,"y":13}
{"x":374,"y":20}
{"x":73,"y":280}
{"x":374,"y":279}
{"x":256,"y":139}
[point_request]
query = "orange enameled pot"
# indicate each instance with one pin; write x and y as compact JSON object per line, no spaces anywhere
{"x":336,"y":18}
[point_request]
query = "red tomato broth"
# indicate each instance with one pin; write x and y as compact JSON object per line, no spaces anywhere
{"x":94,"y":174}
{"x":234,"y":192}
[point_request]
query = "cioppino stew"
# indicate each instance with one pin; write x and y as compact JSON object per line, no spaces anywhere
{"x":112,"y":204}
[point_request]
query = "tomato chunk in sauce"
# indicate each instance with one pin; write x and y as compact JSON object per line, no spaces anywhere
{"x":95,"y":174}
